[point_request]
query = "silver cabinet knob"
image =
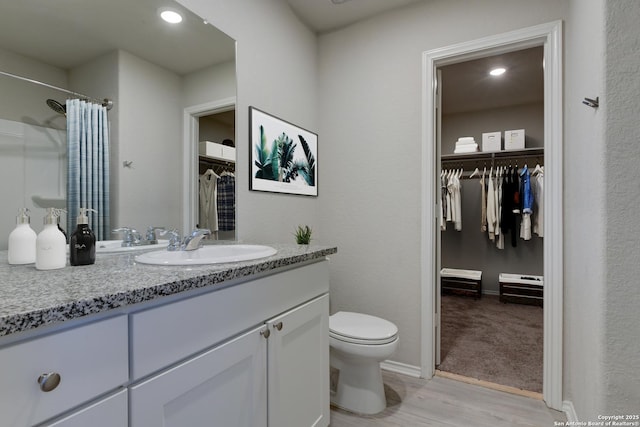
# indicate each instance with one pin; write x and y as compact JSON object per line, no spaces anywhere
{"x":265,"y":333}
{"x":278,"y":326}
{"x":49,"y":381}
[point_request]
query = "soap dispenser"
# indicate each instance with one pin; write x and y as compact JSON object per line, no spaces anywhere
{"x":51,"y":246}
{"x":82,"y":244}
{"x":22,"y":241}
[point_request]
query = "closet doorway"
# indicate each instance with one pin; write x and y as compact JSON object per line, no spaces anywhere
{"x":548,"y":38}
{"x":209,"y":153}
{"x":492,"y":330}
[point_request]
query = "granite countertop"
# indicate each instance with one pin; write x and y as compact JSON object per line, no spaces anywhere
{"x":31,"y":298}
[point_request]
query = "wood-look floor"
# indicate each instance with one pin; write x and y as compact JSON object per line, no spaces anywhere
{"x":415,"y":402}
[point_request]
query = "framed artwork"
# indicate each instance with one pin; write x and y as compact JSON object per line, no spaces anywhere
{"x":284,"y":157}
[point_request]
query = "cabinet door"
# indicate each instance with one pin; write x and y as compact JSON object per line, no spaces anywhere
{"x":225,"y":386}
{"x":108,"y":412}
{"x":299,"y":366}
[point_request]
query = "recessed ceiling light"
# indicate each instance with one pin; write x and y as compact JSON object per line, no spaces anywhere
{"x":497,"y":71}
{"x":171,"y":16}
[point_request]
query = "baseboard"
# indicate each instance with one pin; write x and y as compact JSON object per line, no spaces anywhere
{"x":488,"y":292}
{"x":569,"y":411}
{"x":401,"y":368}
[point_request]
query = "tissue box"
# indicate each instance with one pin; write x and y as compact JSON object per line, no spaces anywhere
{"x":514,"y":139}
{"x":492,"y":141}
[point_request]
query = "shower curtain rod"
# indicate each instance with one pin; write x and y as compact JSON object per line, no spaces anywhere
{"x":104,"y":102}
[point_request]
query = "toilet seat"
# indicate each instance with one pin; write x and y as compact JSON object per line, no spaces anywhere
{"x":358,"y":328}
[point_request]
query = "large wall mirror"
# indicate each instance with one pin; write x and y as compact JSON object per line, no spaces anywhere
{"x":153,"y":72}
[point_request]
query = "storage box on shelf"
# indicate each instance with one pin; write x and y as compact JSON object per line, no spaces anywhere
{"x":491,"y":141}
{"x":514,"y":139}
{"x":217,"y":151}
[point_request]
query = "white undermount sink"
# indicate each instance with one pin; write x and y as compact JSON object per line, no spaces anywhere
{"x":210,"y":254}
{"x":114,"y":246}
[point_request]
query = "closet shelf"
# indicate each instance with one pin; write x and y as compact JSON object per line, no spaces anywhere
{"x":480,"y":155}
{"x":490,"y":158}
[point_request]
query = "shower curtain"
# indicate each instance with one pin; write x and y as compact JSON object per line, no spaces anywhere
{"x":88,"y":165}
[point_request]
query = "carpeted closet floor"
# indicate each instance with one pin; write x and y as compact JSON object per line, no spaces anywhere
{"x":491,"y":341}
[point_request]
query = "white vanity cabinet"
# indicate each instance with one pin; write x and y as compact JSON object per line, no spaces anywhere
{"x":47,"y":376}
{"x":225,"y":386}
{"x":298,"y":373}
{"x":108,"y":412}
{"x":254,"y":352}
{"x":275,"y":373}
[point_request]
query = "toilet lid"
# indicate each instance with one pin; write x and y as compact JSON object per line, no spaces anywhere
{"x":360,"y":327}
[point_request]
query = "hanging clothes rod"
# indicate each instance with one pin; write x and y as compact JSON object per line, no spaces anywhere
{"x":104,"y":102}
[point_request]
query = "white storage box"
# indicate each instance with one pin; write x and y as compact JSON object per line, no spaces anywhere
{"x":468,"y":282}
{"x":521,"y":288}
{"x":492,"y":141}
{"x":514,"y":139}
{"x":217,"y":151}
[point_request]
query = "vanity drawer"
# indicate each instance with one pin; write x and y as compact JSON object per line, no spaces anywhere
{"x":90,"y":360}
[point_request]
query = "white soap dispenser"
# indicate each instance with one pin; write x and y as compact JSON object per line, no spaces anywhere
{"x":22,"y":240}
{"x":51,"y":245}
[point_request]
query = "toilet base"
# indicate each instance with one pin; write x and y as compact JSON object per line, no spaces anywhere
{"x":359,"y":387}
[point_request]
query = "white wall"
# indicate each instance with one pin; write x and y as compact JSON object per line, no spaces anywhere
{"x":150,"y":136}
{"x":370,"y":118}
{"x":212,"y":83}
{"x":584,"y":198}
{"x":276,"y":72}
{"x":621,"y":346}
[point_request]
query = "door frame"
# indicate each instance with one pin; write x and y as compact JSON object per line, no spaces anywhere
{"x":550,"y":37}
{"x":191,"y":118}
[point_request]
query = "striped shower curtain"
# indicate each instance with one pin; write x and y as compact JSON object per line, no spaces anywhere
{"x":88,"y":165}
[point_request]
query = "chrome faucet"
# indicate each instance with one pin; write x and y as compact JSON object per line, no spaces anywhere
{"x":131,"y":236}
{"x":192,"y":241}
{"x":189,"y":243}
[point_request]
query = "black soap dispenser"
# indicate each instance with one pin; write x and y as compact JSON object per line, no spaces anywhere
{"x":82,"y":244}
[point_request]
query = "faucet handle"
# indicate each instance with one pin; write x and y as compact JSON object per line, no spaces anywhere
{"x":151,"y":233}
{"x":130,"y":236}
{"x":175,"y":242}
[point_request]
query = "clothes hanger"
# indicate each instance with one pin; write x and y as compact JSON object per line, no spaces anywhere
{"x":474,"y":173}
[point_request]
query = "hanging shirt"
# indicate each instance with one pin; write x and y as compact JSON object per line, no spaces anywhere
{"x":227,"y":202}
{"x":537,"y":187}
{"x":208,"y":201}
{"x":491,"y":209}
{"x":483,"y":205}
{"x":498,"y":199}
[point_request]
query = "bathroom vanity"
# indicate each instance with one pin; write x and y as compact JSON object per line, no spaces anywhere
{"x":124,"y":344}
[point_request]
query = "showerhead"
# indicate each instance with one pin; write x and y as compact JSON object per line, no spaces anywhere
{"x":57,"y":107}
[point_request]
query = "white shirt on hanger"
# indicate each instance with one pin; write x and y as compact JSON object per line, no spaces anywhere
{"x":208,"y":194}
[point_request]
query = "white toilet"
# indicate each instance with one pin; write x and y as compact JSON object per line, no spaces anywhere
{"x":359,"y":343}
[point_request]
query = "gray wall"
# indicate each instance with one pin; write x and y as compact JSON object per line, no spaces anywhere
{"x":370,"y":110}
{"x":621,"y":358}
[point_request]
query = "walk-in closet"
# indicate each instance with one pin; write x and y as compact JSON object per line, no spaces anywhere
{"x":491,"y":223}
{"x":216,"y":175}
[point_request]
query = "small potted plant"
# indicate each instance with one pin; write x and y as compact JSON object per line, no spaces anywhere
{"x":303,"y":235}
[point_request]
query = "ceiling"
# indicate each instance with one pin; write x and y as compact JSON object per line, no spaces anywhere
{"x":74,"y":32}
{"x":467,"y":86}
{"x":323,"y":16}
{"x":68,"y":33}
